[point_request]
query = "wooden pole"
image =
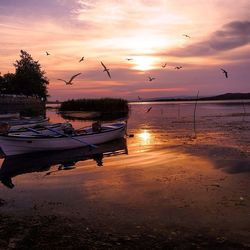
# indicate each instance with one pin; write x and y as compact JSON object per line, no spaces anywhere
{"x":195,"y":113}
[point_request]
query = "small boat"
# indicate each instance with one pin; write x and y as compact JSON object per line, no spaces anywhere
{"x":9,"y":115}
{"x":12,"y":144}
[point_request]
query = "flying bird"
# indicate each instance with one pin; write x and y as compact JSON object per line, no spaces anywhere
{"x":47,"y":53}
{"x":71,"y":79}
{"x":186,"y":36}
{"x":148,"y":109}
{"x":129,"y":59}
{"x":178,"y":67}
{"x":81,"y":59}
{"x":164,"y":65}
{"x":225,"y":73}
{"x":151,"y":78}
{"x":105,"y":69}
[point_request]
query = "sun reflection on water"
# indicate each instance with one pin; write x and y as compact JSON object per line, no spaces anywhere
{"x":145,"y":137}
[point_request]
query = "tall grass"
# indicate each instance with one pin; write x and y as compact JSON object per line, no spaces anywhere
{"x":103,"y":105}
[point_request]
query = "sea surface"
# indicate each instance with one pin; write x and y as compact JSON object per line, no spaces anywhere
{"x":176,"y":168}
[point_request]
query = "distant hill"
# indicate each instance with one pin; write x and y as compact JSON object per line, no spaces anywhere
{"x":227,"y":96}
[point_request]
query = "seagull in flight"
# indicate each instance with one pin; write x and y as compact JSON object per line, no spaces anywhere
{"x":148,"y":109}
{"x":71,"y":79}
{"x":105,"y":69}
{"x":129,"y":59}
{"x":186,"y":36}
{"x":151,"y":78}
{"x":178,"y":67}
{"x":47,"y":53}
{"x":225,"y":73}
{"x":164,"y":65}
{"x":81,"y":59}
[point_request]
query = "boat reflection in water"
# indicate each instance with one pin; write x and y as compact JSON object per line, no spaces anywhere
{"x":43,"y":161}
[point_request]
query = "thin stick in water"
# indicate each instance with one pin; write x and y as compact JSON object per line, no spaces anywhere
{"x":243,"y":118}
{"x":195,"y":113}
{"x":179,"y":111}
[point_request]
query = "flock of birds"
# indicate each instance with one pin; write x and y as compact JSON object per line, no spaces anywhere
{"x":105,"y":69}
{"x":70,"y":82}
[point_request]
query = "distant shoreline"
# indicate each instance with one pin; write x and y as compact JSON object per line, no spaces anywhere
{"x":191,"y":100}
{"x":223,"y":97}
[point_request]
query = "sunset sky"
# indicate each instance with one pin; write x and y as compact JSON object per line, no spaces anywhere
{"x":149,"y":32}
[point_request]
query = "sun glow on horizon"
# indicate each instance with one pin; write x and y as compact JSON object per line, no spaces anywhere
{"x":144,"y":62}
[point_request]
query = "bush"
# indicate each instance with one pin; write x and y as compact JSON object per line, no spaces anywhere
{"x":103,"y":105}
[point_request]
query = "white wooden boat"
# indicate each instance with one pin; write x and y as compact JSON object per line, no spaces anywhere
{"x":21,"y":144}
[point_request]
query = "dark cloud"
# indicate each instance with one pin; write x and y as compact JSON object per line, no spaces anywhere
{"x":232,"y":35}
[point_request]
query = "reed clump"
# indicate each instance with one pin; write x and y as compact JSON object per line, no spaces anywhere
{"x":102,"y":105}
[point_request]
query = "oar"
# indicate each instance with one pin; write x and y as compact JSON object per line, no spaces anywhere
{"x":34,"y":131}
{"x":38,"y":132}
{"x":73,"y":138}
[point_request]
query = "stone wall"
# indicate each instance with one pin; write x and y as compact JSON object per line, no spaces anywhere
{"x":21,"y":103}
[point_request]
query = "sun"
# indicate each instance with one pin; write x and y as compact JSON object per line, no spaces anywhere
{"x":143,"y":49}
{"x":144,"y":62}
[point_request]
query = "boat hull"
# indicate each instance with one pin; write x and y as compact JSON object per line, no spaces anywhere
{"x":16,"y":145}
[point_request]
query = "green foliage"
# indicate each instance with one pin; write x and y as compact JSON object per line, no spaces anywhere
{"x":28,"y":79}
{"x":103,"y":105}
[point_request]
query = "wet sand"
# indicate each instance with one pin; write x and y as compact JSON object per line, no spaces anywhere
{"x":172,"y":190}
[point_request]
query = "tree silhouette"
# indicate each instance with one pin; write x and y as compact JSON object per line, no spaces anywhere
{"x":29,"y":79}
{"x":7,"y":84}
{"x":2,"y":87}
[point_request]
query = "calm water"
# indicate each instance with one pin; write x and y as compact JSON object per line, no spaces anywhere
{"x":161,"y":176}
